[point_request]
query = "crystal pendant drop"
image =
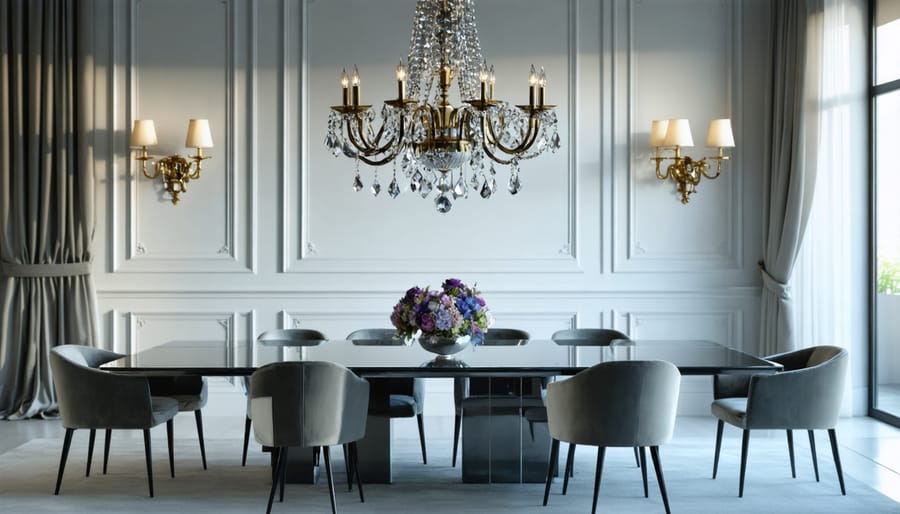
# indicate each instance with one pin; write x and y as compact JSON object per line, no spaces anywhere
{"x":376,"y":187}
{"x":486,"y":191}
{"x":416,"y":181}
{"x":394,"y":189}
{"x":493,"y":184}
{"x":555,"y":142}
{"x":460,"y":188}
{"x":514,"y":184}
{"x":443,"y":204}
{"x":475,"y":182}
{"x":426,"y":188}
{"x":357,"y":183}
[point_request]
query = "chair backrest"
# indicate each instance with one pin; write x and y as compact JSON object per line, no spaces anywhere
{"x":587,"y":337}
{"x":292,"y":337}
{"x":807,"y":395}
{"x":375,"y":337}
{"x":620,"y":403}
{"x":307,"y":404}
{"x":505,"y":336}
{"x":93,"y":398}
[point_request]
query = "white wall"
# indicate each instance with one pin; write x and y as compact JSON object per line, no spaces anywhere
{"x":273,"y":235}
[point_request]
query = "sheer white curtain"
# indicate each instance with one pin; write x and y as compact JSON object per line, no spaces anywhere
{"x":829,"y":282}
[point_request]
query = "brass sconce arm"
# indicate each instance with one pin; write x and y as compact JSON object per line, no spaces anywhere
{"x":176,"y":171}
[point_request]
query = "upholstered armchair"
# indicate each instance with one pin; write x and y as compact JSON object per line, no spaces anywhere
{"x":95,"y":399}
{"x":406,"y":396}
{"x":588,"y":337}
{"x":615,"y":404}
{"x":309,"y":405}
{"x":805,"y":396}
{"x":289,"y":337}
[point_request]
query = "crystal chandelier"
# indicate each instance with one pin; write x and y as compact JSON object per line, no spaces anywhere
{"x":439,"y":147}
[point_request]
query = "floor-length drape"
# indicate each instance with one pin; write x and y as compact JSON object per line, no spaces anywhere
{"x":46,"y":197}
{"x":789,"y":181}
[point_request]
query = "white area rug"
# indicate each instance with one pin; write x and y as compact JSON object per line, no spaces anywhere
{"x":28,"y":474}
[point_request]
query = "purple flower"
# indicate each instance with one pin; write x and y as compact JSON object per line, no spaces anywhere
{"x":452,"y":283}
{"x":426,"y":323}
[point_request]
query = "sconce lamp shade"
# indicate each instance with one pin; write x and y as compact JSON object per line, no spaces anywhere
{"x":678,"y":133}
{"x":658,"y":132}
{"x":720,"y":134}
{"x":198,"y":134}
{"x":143,"y":133}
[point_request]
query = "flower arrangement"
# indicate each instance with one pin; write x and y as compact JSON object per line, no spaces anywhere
{"x":456,"y":310}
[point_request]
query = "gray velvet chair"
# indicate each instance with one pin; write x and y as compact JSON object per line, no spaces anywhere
{"x":95,"y":399}
{"x":615,"y":404}
{"x":406,"y":396}
{"x":805,"y":396}
{"x":311,"y":405}
{"x":288,"y":337}
{"x":462,"y":385}
{"x":589,"y":337}
{"x":191,"y":393}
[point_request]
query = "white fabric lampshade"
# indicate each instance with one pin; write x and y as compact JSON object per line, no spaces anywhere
{"x":198,"y":134}
{"x":143,"y":133}
{"x":658,"y":132}
{"x":678,"y":133}
{"x":720,"y":134}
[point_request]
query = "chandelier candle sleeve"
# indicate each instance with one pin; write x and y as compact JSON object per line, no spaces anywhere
{"x":345,"y":89}
{"x":355,"y":82}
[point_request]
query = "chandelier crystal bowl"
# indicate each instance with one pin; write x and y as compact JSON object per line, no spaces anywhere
{"x":438,"y":147}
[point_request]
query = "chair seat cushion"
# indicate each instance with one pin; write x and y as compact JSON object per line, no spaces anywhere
{"x":731,"y":410}
{"x":401,"y":406}
{"x":164,"y":409}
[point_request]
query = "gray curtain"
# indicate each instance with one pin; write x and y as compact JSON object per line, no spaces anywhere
{"x":46,"y":197}
{"x":789,"y":181}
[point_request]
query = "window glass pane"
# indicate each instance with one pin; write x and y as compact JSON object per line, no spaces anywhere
{"x":887,"y":190}
{"x":887,"y":41}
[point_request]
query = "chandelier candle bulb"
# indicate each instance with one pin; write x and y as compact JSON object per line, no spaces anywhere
{"x":345,"y":88}
{"x":401,"y":81}
{"x":354,"y":80}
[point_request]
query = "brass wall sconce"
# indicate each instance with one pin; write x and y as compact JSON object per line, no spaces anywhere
{"x":685,"y":171}
{"x":176,"y":170}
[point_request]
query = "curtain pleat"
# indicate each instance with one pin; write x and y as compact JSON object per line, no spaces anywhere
{"x":789,"y":182}
{"x":46,"y":197}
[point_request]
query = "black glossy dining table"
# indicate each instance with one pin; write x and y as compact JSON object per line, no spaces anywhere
{"x":505,"y":434}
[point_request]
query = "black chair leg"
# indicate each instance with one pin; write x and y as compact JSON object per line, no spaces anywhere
{"x":246,"y":440}
{"x":457,"y":425}
{"x":837,"y":459}
{"x":90,"y":455}
{"x":719,"y":428}
{"x":420,"y":419}
{"x":106,"y":442}
{"x":169,"y":438}
{"x":745,"y":442}
{"x":67,"y":442}
{"x":149,"y":461}
{"x":601,"y":452}
{"x":282,"y":473}
{"x":347,"y":468}
{"x":199,"y":419}
{"x":637,"y":458}
{"x":812,"y":449}
{"x":790,"y":441}
{"x":570,"y":463}
{"x":327,"y":454}
{"x":554,"y":454}
{"x":354,"y":458}
{"x":644,"y":471}
{"x":276,"y":474}
{"x":654,"y":454}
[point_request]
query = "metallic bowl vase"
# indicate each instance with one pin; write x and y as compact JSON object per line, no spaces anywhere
{"x":444,"y":347}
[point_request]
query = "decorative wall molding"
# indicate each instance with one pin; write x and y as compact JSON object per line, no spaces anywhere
{"x":237,"y":251}
{"x":300,"y":252}
{"x":721,"y":326}
{"x":630,"y":254}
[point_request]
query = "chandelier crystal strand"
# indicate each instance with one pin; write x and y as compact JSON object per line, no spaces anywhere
{"x":430,"y":137}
